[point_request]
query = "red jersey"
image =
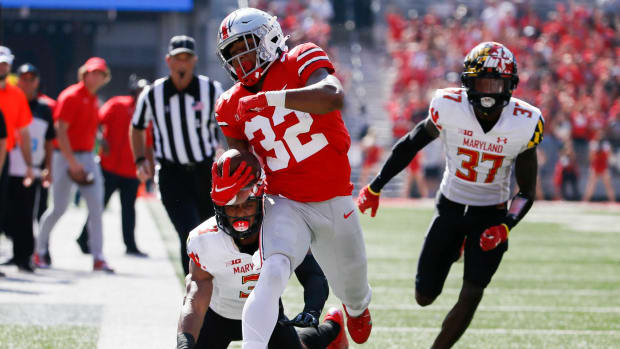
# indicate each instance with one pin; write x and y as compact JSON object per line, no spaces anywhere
{"x":79,"y":108}
{"x":115,"y":117}
{"x":304,"y":155}
{"x":16,"y":110}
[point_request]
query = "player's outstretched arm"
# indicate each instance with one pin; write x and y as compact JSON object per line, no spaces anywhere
{"x":402,"y":153}
{"x":316,"y":291}
{"x":199,"y":288}
{"x":322,"y":94}
{"x":526,"y":171}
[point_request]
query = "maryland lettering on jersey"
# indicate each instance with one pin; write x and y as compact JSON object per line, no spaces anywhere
{"x":243,"y":269}
{"x":482,"y":145}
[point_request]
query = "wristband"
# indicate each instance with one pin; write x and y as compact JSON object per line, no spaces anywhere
{"x":373,"y":192}
{"x":185,"y":341}
{"x":139,"y":159}
{"x":507,"y":230}
{"x":276,"y":98}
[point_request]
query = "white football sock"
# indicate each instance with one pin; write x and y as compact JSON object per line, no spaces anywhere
{"x":260,"y":312}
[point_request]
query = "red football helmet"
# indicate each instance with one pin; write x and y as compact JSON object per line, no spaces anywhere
{"x":269,"y":42}
{"x":490,"y":76}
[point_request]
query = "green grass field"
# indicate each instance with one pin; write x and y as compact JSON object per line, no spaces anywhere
{"x":557,"y":287}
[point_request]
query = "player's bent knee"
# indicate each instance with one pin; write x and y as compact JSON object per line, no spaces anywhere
{"x":423,"y":300}
{"x":276,"y":270}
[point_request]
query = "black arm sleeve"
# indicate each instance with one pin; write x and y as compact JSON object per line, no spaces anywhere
{"x":50,"y":133}
{"x":313,"y":280}
{"x":2,"y":126}
{"x":402,"y":153}
{"x":526,"y":171}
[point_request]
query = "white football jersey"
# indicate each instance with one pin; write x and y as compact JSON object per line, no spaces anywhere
{"x":478,"y":164}
{"x":234,"y":273}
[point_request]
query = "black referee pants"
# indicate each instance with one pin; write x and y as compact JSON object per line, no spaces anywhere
{"x":186,"y":194}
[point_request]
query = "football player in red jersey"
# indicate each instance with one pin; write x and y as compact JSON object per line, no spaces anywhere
{"x":485,"y":132}
{"x":284,"y":107}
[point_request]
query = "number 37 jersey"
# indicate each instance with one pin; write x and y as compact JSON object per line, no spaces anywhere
{"x":304,"y":155}
{"x":234,"y":273}
{"x":479,"y":164}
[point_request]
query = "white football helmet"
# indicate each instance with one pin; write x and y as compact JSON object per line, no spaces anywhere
{"x":269,"y":40}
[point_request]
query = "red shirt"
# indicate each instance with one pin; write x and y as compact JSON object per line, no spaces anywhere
{"x":115,"y":117}
{"x":79,"y":108}
{"x":16,"y":110}
{"x":599,"y":156}
{"x":304,"y":155}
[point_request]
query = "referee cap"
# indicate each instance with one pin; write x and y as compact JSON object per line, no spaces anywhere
{"x":181,"y":44}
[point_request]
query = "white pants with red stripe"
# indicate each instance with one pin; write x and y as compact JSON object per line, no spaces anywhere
{"x":332,"y":230}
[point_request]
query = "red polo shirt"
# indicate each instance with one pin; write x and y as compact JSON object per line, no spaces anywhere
{"x":79,"y":108}
{"x":14,"y":106}
{"x":115,"y":117}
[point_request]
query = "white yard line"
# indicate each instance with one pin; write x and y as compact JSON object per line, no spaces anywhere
{"x":503,"y":291}
{"x":515,"y":331}
{"x":493,"y":308}
{"x":499,"y":276}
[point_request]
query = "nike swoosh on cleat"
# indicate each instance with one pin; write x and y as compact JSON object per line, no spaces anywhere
{"x":217,"y":190}
{"x":347,"y":215}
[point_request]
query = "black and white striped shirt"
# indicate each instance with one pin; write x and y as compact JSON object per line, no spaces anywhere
{"x":183,"y":122}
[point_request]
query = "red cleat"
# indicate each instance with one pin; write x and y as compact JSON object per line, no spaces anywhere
{"x":101,"y":265}
{"x":341,"y":342}
{"x":359,"y":327}
{"x":39,"y":261}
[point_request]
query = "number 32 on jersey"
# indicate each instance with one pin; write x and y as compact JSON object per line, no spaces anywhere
{"x":291,"y":138}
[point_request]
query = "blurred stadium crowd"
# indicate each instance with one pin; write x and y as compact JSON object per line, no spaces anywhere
{"x":568,"y":63}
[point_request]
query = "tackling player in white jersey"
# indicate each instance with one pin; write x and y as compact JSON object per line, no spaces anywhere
{"x":484,"y":131}
{"x":225,"y":267}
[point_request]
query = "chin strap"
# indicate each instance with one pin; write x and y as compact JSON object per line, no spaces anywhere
{"x":519,"y":206}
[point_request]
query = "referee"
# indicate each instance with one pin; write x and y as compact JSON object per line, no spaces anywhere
{"x":181,"y":108}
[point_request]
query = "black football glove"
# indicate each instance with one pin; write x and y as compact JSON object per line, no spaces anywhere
{"x":304,"y":319}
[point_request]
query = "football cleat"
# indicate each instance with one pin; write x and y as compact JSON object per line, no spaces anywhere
{"x":39,"y":261}
{"x":101,"y":265}
{"x":341,"y":341}
{"x":360,"y":326}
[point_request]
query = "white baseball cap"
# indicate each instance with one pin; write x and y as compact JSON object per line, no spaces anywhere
{"x":5,"y":55}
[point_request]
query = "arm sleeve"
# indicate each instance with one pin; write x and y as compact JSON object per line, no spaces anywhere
{"x":50,"y":132}
{"x":313,"y":280}
{"x":538,"y":134}
{"x":2,"y":126}
{"x":144,"y":112}
{"x":307,"y":58}
{"x":402,"y":153}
